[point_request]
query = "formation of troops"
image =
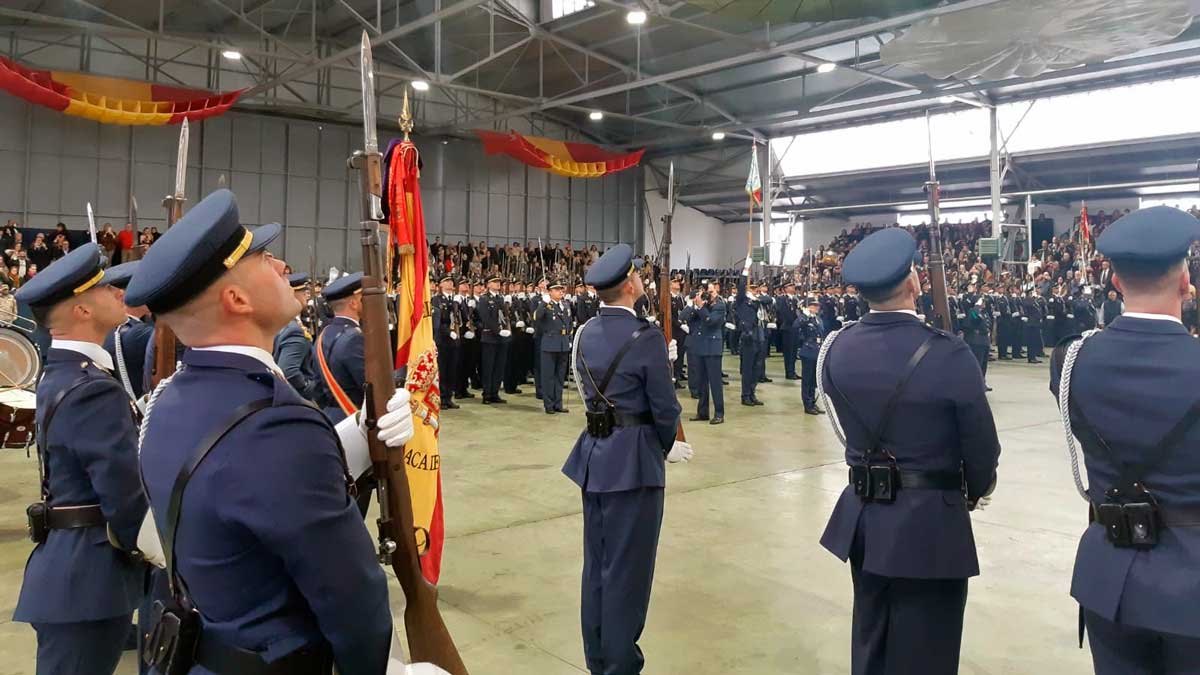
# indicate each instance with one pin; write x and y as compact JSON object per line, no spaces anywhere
{"x":153,"y":498}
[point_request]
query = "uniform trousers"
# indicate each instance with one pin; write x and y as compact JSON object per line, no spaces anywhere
{"x":468,"y":366}
{"x":1033,"y":341}
{"x":553,"y":372}
{"x":749,"y":353}
{"x":447,"y":354}
{"x":492,"y":361}
{"x":620,"y":541}
{"x":808,"y":387}
{"x":1118,"y":650}
{"x":693,"y":374}
{"x":981,"y":356}
{"x":708,"y":381}
{"x":537,"y":366}
{"x":904,"y":625}
{"x":81,"y":648}
{"x":677,"y":366}
{"x":789,"y":338}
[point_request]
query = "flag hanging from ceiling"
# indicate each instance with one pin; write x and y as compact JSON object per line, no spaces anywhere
{"x":753,"y":181}
{"x":573,"y":160}
{"x":417,"y":352}
{"x":1084,"y":225}
{"x":111,"y":100}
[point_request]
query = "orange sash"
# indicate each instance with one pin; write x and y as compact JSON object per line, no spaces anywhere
{"x":339,"y":394}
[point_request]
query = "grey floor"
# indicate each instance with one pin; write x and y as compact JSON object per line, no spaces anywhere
{"x":742,"y":585}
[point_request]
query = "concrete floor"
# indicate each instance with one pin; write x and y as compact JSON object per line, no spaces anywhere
{"x":742,"y":584}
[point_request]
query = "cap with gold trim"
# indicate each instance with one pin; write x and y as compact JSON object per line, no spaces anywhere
{"x":68,"y":277}
{"x":206,"y":242}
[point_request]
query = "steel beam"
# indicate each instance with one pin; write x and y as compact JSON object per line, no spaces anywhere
{"x":488,"y":59}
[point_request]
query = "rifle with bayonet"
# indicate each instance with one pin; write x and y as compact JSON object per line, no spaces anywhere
{"x":164,"y":337}
{"x":428,"y":638}
{"x":937,"y":266}
{"x":664,"y":275}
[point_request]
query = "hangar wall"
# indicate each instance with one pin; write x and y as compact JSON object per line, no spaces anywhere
{"x":293,"y":172}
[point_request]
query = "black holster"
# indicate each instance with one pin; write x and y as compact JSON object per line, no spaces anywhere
{"x":175,"y":632}
{"x":39,"y":523}
{"x":1130,"y":524}
{"x":876,"y":481}
{"x":601,"y":418}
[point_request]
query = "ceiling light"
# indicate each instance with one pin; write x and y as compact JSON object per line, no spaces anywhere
{"x":827,"y":67}
{"x":636,"y":17}
{"x":947,"y":99}
{"x":595,"y":116}
{"x":232,"y":54}
{"x":718,"y":135}
{"x":420,"y":85}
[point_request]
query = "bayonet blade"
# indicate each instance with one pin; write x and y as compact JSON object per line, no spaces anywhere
{"x":367,"y":67}
{"x":91,"y":222}
{"x":181,"y":162}
{"x":671,"y":190}
{"x":221,"y":182}
{"x":133,"y":215}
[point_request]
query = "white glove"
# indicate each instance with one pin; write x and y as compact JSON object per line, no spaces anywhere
{"x":530,"y":330}
{"x":469,"y":335}
{"x":772,"y":326}
{"x":656,"y":323}
{"x":546,"y":297}
{"x":453,"y":335}
{"x":1070,"y":316}
{"x":521,"y":295}
{"x":685,"y":328}
{"x":396,"y":427}
{"x":471,"y":303}
{"x":961,"y":316}
{"x":457,"y":297}
{"x":520,"y":324}
{"x":508,"y":299}
{"x":504,"y":332}
{"x":995,"y":313}
{"x":354,"y":444}
{"x":841,"y":318}
{"x":672,"y":351}
{"x":729,"y":326}
{"x":749,"y":262}
{"x":681,"y":451}
{"x":1025,"y":318}
{"x":1050,"y":316}
{"x":149,"y":543}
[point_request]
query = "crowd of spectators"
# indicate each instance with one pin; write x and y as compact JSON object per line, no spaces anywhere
{"x":26,"y":251}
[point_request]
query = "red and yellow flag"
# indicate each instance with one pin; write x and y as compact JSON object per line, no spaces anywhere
{"x":574,"y":160}
{"x":111,"y":100}
{"x":416,"y":350}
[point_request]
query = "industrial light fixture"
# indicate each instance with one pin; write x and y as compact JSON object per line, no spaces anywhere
{"x":718,"y":135}
{"x":827,"y":67}
{"x":947,"y":99}
{"x":232,"y":54}
{"x":595,"y":116}
{"x":420,"y":85}
{"x":635,"y":17}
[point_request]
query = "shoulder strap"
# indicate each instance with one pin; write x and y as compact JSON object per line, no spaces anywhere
{"x":612,"y":367}
{"x":339,"y":395}
{"x":875,"y":437}
{"x":43,"y":450}
{"x":1135,"y":472}
{"x":185,"y":474}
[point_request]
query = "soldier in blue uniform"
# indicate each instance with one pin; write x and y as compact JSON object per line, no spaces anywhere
{"x":446,"y":319}
{"x":269,"y":547}
{"x":494,"y":334}
{"x":751,"y":337}
{"x":1031,"y":322}
{"x":922,"y":448}
{"x":623,"y":371}
{"x":787,"y":312}
{"x":338,"y":351}
{"x":811,"y":332}
{"x":1135,"y":571}
{"x":293,"y":346}
{"x":84,"y":578}
{"x":134,"y":335}
{"x":977,"y":330}
{"x":707,"y":314}
{"x":552,"y":321}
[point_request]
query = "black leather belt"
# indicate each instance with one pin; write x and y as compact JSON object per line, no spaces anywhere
{"x":74,"y":517}
{"x":633,"y":420}
{"x":223,"y":659}
{"x":930,"y":480}
{"x":1173,"y":516}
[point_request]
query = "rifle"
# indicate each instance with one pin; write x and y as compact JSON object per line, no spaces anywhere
{"x":164,"y":337}
{"x":428,"y":638}
{"x":664,"y":274}
{"x":91,"y":222}
{"x":937,"y":266}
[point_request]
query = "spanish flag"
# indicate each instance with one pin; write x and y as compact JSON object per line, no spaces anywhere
{"x":111,"y":100}
{"x":573,"y":160}
{"x":416,"y":350}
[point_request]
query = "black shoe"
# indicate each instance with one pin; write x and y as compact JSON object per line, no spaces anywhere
{"x":538,"y":396}
{"x":1035,"y":360}
{"x":695,"y":395}
{"x":549,"y":411}
{"x":1005,"y":358}
{"x":561,"y":410}
{"x":683,"y":379}
{"x":450,"y":405}
{"x":499,"y":400}
{"x":814,"y":410}
{"x":717,"y":420}
{"x":986,"y":388}
{"x":678,"y":384}
{"x":792,"y":377}
{"x":765,"y":380}
{"x":699,"y":418}
{"x":755,"y":401}
{"x":724,"y":383}
{"x":485,"y":400}
{"x":513,"y":392}
{"x":464,"y":394}
{"x":747,"y":402}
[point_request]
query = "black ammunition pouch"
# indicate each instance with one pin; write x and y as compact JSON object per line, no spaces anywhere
{"x":602,"y":415}
{"x":1130,"y":515}
{"x":877,"y":481}
{"x":39,"y":527}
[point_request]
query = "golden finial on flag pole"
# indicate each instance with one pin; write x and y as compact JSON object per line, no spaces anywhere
{"x":406,"y":123}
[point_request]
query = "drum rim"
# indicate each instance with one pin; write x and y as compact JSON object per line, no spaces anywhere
{"x":30,"y":350}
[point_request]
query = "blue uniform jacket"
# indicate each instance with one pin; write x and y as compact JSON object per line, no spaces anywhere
{"x":491,"y":318}
{"x":293,"y":351}
{"x":553,"y":324}
{"x":135,"y":339}
{"x":1135,"y":380}
{"x":786,"y":313}
{"x":708,"y":328}
{"x":343,"y":346}
{"x":632,"y":457}
{"x":812,"y":332}
{"x":745,"y":309}
{"x":942,"y":422}
{"x":271,"y":547}
{"x":76,"y":575}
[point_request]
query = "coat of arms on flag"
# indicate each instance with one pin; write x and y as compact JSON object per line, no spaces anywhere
{"x":754,"y":182}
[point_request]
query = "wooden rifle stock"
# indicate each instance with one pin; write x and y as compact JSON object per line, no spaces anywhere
{"x":664,"y":297}
{"x":428,"y":638}
{"x":937,"y":265}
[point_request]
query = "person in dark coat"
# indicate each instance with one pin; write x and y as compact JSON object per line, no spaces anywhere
{"x":707,"y":313}
{"x":812,"y":333}
{"x":1139,"y":425}
{"x":553,"y":323}
{"x":752,"y":339}
{"x":1031,"y":322}
{"x":446,"y":328}
{"x":922,"y":447}
{"x":620,"y":468}
{"x":338,"y":351}
{"x":83,"y":580}
{"x":787,"y":313}
{"x":293,"y":345}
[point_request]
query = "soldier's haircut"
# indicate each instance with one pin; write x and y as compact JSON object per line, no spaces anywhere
{"x":1144,"y":275}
